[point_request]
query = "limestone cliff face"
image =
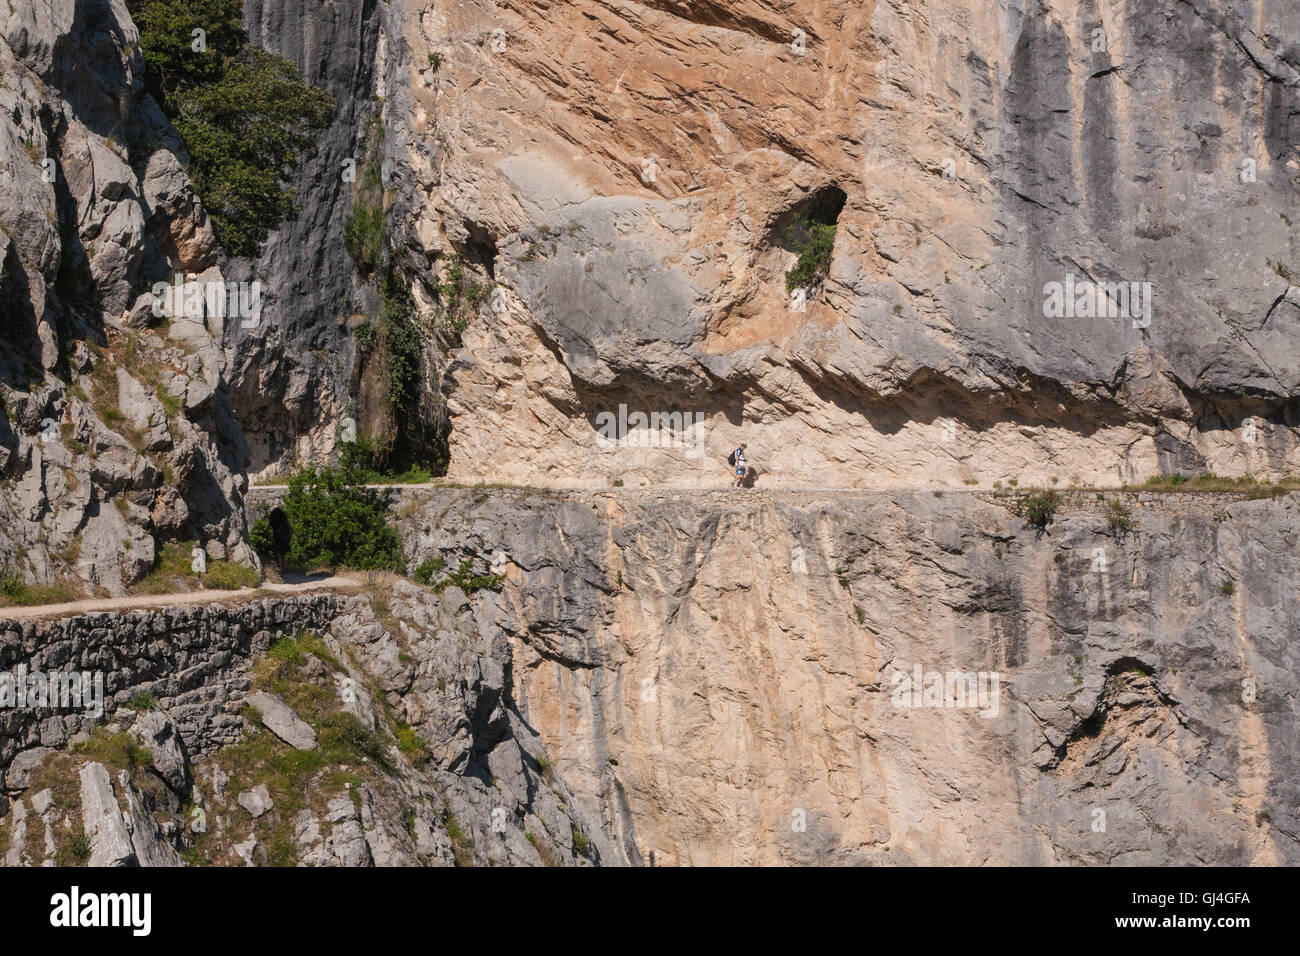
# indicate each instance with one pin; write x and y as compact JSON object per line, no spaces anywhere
{"x":622,"y":176}
{"x":683,"y":677}
{"x":116,"y":433}
{"x":290,"y":376}
{"x":703,"y":679}
{"x":719,"y":678}
{"x":626,"y":172}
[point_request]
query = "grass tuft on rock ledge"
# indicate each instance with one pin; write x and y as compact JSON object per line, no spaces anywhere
{"x":172,"y":573}
{"x":1248,"y":486}
{"x":14,"y":592}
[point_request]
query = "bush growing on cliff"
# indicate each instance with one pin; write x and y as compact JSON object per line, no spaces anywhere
{"x":245,"y":134}
{"x":363,"y":236}
{"x":460,"y":295}
{"x":420,"y":435}
{"x":365,"y":455}
{"x":464,"y":577}
{"x":403,"y":344}
{"x":245,"y":115}
{"x":365,"y":338}
{"x":412,"y":424}
{"x":259,"y":537}
{"x":469,"y":580}
{"x":77,"y":849}
{"x":1118,"y":516}
{"x":337,"y":521}
{"x":581,"y":843}
{"x":814,"y":251}
{"x":428,"y":568}
{"x":167,"y":39}
{"x":372,"y":461}
{"x":11,"y":582}
{"x":363,"y":233}
{"x":1039,"y":509}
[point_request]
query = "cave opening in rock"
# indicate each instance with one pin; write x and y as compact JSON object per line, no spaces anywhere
{"x":808,"y":230}
{"x":480,"y":248}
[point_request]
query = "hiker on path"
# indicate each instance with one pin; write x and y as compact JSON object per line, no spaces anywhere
{"x":741,"y":466}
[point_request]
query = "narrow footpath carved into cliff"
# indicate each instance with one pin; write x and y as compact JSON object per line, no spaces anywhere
{"x":336,"y":582}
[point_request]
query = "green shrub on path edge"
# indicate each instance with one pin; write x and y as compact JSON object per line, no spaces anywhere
{"x":336,"y":521}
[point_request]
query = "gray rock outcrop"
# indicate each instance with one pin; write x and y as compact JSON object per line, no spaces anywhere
{"x":256,"y":801}
{"x":110,"y":842}
{"x":159,"y":735}
{"x":95,"y":208}
{"x":283,"y":722}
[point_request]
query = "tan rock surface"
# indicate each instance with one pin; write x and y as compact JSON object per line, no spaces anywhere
{"x":718,"y":674}
{"x":983,"y":151}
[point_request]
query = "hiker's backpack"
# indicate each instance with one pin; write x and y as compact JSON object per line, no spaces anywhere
{"x":731,"y":459}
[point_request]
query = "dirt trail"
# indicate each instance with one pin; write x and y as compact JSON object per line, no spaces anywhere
{"x":266,"y":589}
